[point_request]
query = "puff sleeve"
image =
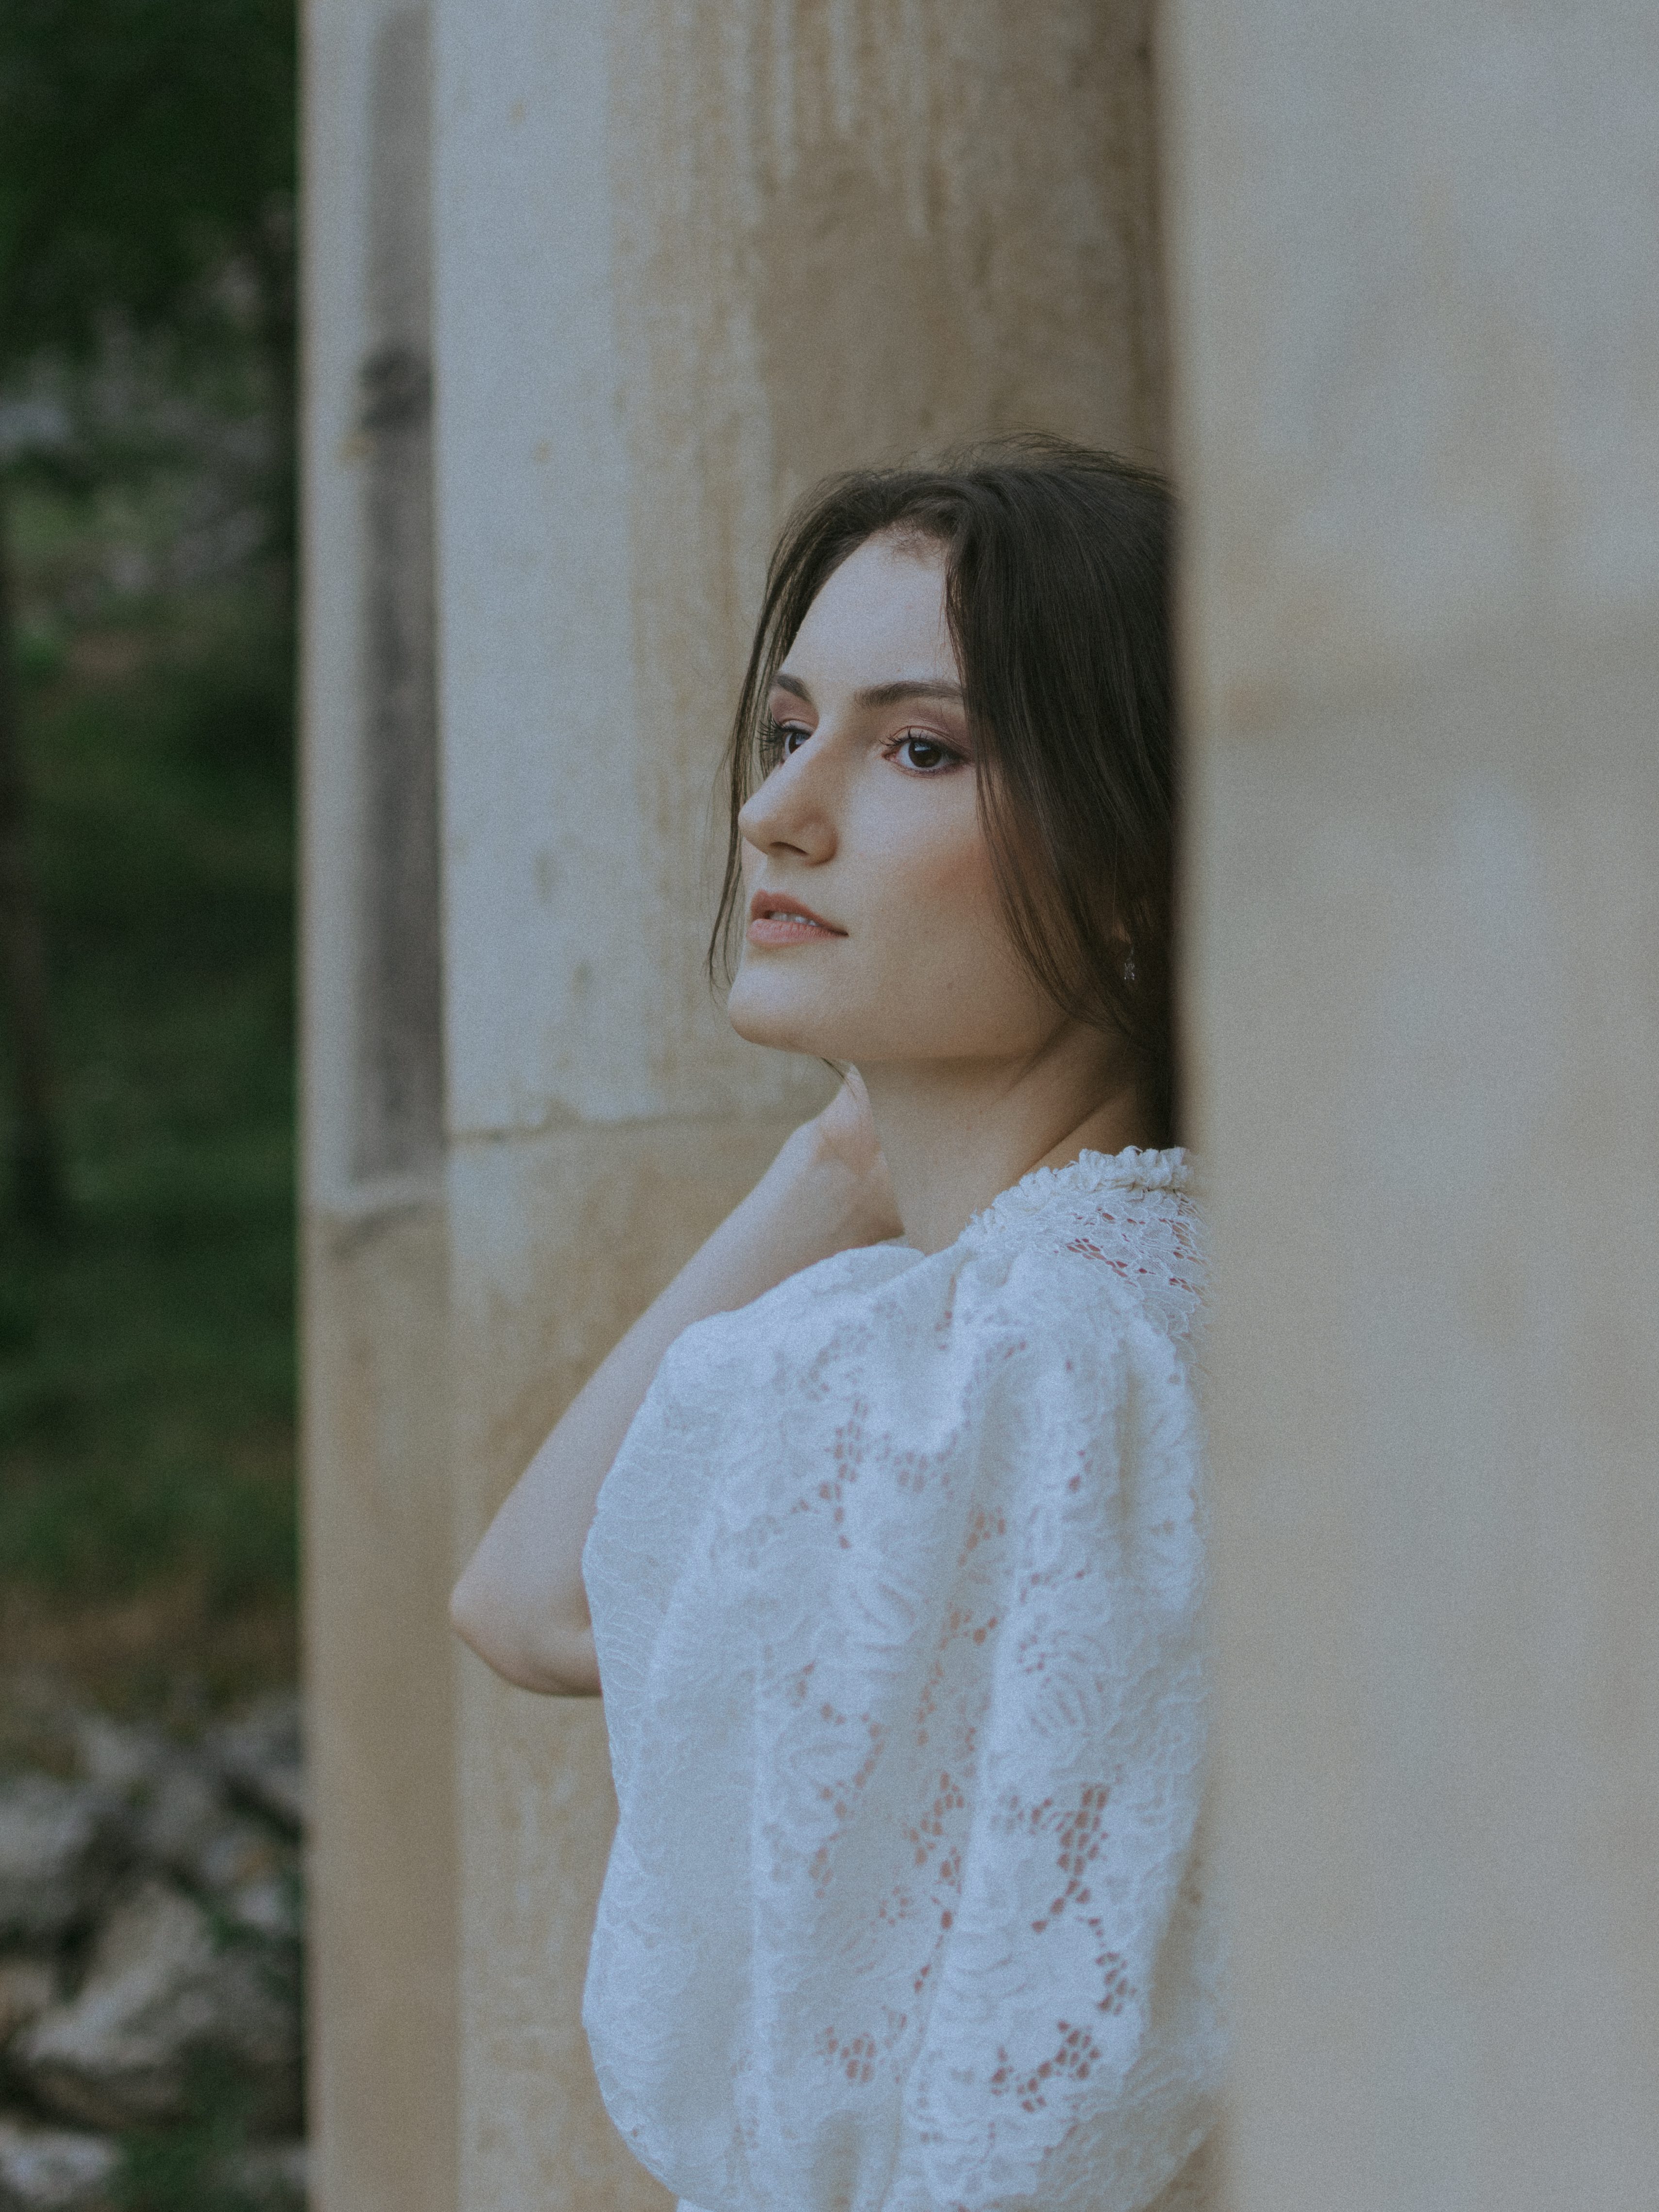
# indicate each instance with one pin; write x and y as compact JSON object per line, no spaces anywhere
{"x":899,"y":1593}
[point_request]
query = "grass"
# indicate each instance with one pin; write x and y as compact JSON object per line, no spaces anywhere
{"x":191,"y":2166}
{"x":147,"y":1522}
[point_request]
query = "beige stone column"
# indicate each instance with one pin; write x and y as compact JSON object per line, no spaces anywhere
{"x":688,"y":258}
{"x":377,"y":1537}
{"x":1417,"y":319}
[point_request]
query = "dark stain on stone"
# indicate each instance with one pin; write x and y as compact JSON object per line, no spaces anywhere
{"x":398,"y":1115}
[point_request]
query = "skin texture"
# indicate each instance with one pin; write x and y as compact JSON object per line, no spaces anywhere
{"x":963,"y":1073}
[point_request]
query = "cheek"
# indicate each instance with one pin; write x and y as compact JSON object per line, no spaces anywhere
{"x":942,"y":975}
{"x":938,"y":872}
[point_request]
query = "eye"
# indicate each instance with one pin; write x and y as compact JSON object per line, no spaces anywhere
{"x":923,"y":754}
{"x":778,"y":739}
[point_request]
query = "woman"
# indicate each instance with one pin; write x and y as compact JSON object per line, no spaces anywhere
{"x":896,"y":1575}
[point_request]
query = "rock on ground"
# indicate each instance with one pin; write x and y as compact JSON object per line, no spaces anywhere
{"x":161,"y":1996}
{"x":60,"y":1844}
{"x":118,"y":1755}
{"x":28,"y":1987}
{"x":273,"y":2174}
{"x":181,"y":1808}
{"x":183,"y":1818}
{"x":52,"y":2170}
{"x":261,"y":1759}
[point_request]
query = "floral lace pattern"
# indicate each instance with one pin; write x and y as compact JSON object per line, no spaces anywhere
{"x":898,"y":1586}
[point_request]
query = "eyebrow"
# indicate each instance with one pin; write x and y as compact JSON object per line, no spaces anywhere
{"x":878,"y":695}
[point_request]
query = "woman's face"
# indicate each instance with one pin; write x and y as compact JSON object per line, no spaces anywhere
{"x":874,"y":928}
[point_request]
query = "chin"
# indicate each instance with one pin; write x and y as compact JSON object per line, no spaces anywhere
{"x":762,"y":1014}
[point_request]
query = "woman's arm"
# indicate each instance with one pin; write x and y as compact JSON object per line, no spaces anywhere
{"x":520,"y":1603}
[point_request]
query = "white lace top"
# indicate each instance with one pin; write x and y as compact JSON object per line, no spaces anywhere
{"x":898,"y":1587}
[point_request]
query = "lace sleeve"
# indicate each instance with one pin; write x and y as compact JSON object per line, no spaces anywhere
{"x":1069,"y":2056}
{"x":905,"y":1910}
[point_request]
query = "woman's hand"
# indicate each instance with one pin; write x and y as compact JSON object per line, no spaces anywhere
{"x":844,"y":1136}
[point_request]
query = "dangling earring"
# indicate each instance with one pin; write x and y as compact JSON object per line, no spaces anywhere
{"x":1129,"y":965}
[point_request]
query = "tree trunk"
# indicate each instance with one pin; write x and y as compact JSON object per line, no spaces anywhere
{"x":37,"y":1169}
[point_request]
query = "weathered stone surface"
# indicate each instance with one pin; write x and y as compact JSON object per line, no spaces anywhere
{"x":163,"y":1992}
{"x":28,"y":1987}
{"x":262,"y":1762}
{"x":60,"y":1844}
{"x":54,"y":2169}
{"x":1418,"y":272}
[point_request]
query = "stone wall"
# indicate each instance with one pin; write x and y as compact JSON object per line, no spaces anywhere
{"x":1417,"y":315}
{"x":377,"y":1505}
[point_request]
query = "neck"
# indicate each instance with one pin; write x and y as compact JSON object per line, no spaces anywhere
{"x":956,"y":1133}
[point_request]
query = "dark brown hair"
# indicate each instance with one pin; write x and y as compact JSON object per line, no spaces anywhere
{"x":1057,"y":593}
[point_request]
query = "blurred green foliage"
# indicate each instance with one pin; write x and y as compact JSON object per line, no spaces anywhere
{"x":191,"y":2166}
{"x":143,"y":143}
{"x":146,"y":1361}
{"x":146,"y":317}
{"x":146,"y":537}
{"x":146,"y":200}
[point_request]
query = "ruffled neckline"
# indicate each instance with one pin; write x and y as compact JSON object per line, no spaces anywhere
{"x":1132,"y":1168}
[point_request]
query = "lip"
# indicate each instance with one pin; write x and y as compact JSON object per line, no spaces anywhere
{"x":774,"y":918}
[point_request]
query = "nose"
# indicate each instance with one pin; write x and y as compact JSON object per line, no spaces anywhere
{"x":793,"y":810}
